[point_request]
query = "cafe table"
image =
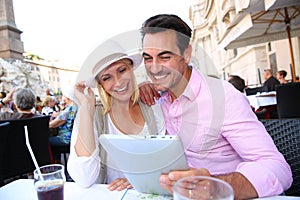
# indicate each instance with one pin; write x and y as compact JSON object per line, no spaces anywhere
{"x":24,"y":189}
{"x":262,"y":99}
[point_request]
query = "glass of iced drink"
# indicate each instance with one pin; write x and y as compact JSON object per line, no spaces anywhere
{"x":50,"y":183}
{"x":202,"y":188}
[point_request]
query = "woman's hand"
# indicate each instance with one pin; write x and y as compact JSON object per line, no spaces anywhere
{"x":168,"y":180}
{"x":9,"y":96}
{"x":83,"y":97}
{"x":119,"y":184}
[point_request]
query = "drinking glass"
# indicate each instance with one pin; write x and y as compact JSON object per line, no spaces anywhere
{"x":202,"y":188}
{"x":50,"y":183}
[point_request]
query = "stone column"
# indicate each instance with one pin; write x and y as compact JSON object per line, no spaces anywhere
{"x":11,"y":46}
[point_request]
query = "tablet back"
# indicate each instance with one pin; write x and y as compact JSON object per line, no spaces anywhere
{"x":143,"y":159}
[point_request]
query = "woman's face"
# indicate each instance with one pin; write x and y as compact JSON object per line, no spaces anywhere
{"x":118,"y":80}
{"x":65,"y":100}
{"x":278,"y":76}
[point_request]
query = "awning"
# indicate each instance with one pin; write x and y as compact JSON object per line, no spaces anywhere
{"x":280,"y":21}
{"x":255,"y":28}
{"x":274,"y":4}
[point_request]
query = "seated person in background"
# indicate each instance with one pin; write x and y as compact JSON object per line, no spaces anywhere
{"x":221,"y":135}
{"x":64,"y":122}
{"x":7,"y":104}
{"x":270,"y":80}
{"x":237,"y":82}
{"x":120,"y":112}
{"x":24,"y":99}
{"x":5,"y":101}
{"x":48,"y":104}
{"x":280,"y":75}
{"x":48,"y":92}
{"x":38,"y":106}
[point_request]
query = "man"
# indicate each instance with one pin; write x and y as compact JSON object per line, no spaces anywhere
{"x":24,"y":99}
{"x":237,"y":82}
{"x":270,"y":80}
{"x":221,"y":135}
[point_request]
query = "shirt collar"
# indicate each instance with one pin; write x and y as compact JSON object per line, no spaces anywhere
{"x":192,"y":89}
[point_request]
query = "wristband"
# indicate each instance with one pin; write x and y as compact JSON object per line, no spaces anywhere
{"x":2,"y":102}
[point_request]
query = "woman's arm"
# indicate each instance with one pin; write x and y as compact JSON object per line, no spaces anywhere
{"x":8,"y":98}
{"x":56,"y":123}
{"x":85,"y":144}
{"x":84,"y":170}
{"x":84,"y":160}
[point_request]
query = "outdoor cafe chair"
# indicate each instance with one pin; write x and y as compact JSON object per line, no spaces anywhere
{"x":3,"y":135}
{"x":65,"y":151}
{"x":288,"y":100}
{"x":286,"y":136}
{"x":16,"y":157}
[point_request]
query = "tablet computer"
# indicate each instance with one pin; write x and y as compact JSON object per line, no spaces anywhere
{"x":143,"y":159}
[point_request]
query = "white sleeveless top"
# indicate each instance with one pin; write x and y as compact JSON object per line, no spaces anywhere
{"x":113,"y":174}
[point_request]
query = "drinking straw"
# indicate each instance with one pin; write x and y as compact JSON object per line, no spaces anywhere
{"x":32,"y":155}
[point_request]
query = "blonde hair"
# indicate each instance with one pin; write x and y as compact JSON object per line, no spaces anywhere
{"x":106,"y":99}
{"x":47,"y":100}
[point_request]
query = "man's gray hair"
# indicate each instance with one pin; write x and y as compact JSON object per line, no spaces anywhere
{"x":24,"y":99}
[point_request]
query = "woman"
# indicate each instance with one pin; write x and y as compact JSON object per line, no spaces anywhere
{"x":280,"y":75}
{"x":48,"y":104}
{"x":63,"y":122}
{"x":120,"y":112}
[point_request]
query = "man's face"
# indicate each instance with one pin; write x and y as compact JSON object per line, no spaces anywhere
{"x":164,"y":64}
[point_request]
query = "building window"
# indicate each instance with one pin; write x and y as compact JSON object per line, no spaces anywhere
{"x":273,"y":62}
{"x":269,"y":47}
{"x":235,"y":52}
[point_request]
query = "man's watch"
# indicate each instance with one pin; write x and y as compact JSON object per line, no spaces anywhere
{"x":1,"y":101}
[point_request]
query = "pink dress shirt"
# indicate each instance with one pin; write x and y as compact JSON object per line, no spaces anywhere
{"x":220,"y":132}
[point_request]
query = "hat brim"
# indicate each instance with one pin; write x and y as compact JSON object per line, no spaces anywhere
{"x":135,"y":58}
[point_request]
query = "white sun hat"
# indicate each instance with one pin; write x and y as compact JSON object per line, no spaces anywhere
{"x":69,"y":93}
{"x":105,"y":54}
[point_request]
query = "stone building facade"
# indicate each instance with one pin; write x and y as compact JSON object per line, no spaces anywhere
{"x":16,"y":70}
{"x":210,"y":21}
{"x":11,"y":45}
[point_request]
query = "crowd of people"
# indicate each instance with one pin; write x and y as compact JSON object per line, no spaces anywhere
{"x":269,"y":83}
{"x":22,"y":103}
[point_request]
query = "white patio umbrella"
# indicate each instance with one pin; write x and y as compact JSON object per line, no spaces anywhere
{"x":261,"y":23}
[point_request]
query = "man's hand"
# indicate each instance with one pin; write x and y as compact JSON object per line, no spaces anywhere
{"x":168,"y":180}
{"x":148,"y":93}
{"x":242,"y":187}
